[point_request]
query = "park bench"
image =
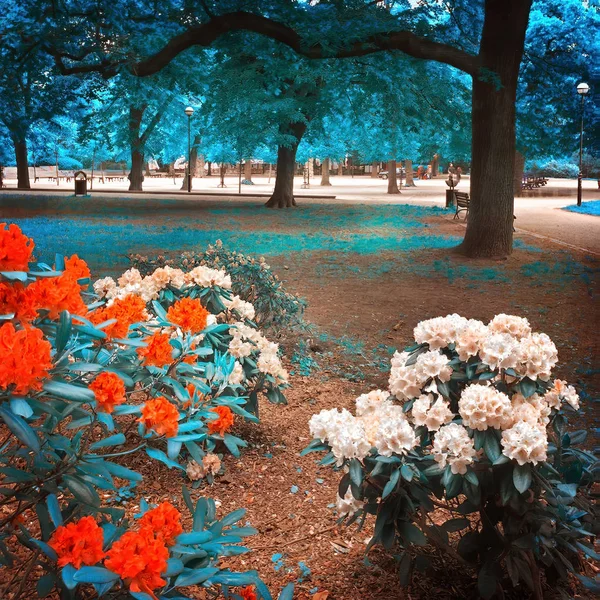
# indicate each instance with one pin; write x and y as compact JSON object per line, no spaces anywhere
{"x":530,"y":182}
{"x":462,"y":203}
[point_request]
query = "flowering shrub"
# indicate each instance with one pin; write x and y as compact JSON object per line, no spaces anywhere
{"x":471,"y":423}
{"x":252,"y":280}
{"x":71,"y":369}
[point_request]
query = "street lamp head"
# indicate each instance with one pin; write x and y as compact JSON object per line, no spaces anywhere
{"x":583,"y":88}
{"x":189,"y":111}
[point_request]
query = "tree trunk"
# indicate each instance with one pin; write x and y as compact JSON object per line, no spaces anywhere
{"x":283,"y":194}
{"x":392,"y":179}
{"x":200,"y":169}
{"x":409,"y":173}
{"x":341,"y":167}
{"x":209,"y":171}
{"x":375,"y":170}
{"x":518,"y":176}
{"x":490,"y":222}
{"x":248,"y":170}
{"x":23,"y":182}
{"x":136,"y":176}
{"x":435,"y":165}
{"x":325,"y":172}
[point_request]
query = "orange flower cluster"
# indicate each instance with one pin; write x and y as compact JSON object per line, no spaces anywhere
{"x":109,"y":390}
{"x":248,"y":593}
{"x":223,"y":423}
{"x":78,"y":268}
{"x":164,"y":521}
{"x":15,"y":248}
{"x":53,"y":294}
{"x":26,"y":359}
{"x":139,"y":558}
{"x":127,"y":311}
{"x":158,"y":351}
{"x":78,"y":543}
{"x":161,"y":416}
{"x":189,"y":314}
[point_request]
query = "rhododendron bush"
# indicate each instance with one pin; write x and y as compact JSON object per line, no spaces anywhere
{"x":473,"y":423}
{"x":177,"y":354}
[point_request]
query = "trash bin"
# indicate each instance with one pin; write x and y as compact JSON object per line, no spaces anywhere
{"x":450,"y":199}
{"x":80,"y":183}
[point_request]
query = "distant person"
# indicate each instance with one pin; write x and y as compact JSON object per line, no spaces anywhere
{"x":451,"y":169}
{"x":458,"y":174}
{"x":420,"y":172}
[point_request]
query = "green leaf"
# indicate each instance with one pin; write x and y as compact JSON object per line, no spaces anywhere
{"x":45,"y":584}
{"x":453,"y":525}
{"x":487,"y":581}
{"x":491,"y":445}
{"x":163,"y":458}
{"x":527,"y":387}
{"x":94,"y":575}
{"x":356,"y":472}
{"x":63,"y":332}
{"x":67,"y":391}
{"x":54,"y":510}
{"x":82,"y":490}
{"x":411,"y":533}
{"x":21,"y":430}
{"x":404,"y":569}
{"x":522,"y":477}
{"x":113,"y":440}
{"x":195,"y":576}
{"x":122,"y":472}
{"x":391,"y":484}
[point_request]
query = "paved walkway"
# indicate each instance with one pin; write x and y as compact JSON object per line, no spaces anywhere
{"x":537,"y":216}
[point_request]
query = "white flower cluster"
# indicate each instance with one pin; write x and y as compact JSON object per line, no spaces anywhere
{"x":507,"y":342}
{"x":525,"y":442}
{"x":453,"y":446}
{"x":348,"y":505}
{"x":406,"y":382}
{"x":246,"y":339}
{"x":482,"y":406}
{"x":132,"y":282}
{"x":237,"y":376}
{"x":432,"y":414}
{"x":207,"y":277}
{"x":244,"y":309}
{"x":561,"y":391}
{"x":344,"y":432}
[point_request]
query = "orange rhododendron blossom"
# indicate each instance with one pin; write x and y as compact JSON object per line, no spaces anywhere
{"x":26,"y":359}
{"x":15,"y":248}
{"x":127,"y":311}
{"x":77,"y":268}
{"x":15,"y":298}
{"x":57,"y":294}
{"x":164,"y":521}
{"x":109,"y":390}
{"x":161,"y":416}
{"x":158,"y":351}
{"x":248,"y":593}
{"x":139,"y":559}
{"x":189,"y":314}
{"x":78,"y":543}
{"x":223,"y":423}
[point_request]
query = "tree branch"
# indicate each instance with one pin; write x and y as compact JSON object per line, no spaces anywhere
{"x":205,"y":34}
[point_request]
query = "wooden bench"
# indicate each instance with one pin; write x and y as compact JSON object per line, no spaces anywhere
{"x":462,"y":203}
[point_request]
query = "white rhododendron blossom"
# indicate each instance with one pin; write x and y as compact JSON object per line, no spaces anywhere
{"x":343,"y":432}
{"x":394,"y":434}
{"x":453,"y":446}
{"x":561,"y":391}
{"x":432,"y":364}
{"x":517,"y":327}
{"x":368,"y":403}
{"x":470,"y":339}
{"x":404,"y":383}
{"x":381,"y":414}
{"x":525,"y":443}
{"x":440,"y":331}
{"x":483,"y":406}
{"x":499,"y":351}
{"x":536,"y":356}
{"x":130,"y":277}
{"x":237,"y":376}
{"x":207,"y":277}
{"x":244,"y":309}
{"x":534,"y":410}
{"x":348,"y":505}
{"x":431,"y":413}
{"x":105,"y":287}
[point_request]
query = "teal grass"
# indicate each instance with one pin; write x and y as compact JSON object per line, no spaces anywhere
{"x":587,"y":208}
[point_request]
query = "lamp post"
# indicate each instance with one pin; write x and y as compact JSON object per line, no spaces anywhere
{"x":582,"y":90}
{"x":189,"y":111}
